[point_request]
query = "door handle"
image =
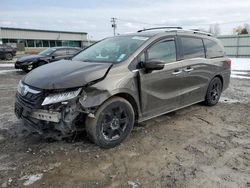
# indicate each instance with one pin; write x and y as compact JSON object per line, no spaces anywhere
{"x":188,"y":69}
{"x":176,"y":72}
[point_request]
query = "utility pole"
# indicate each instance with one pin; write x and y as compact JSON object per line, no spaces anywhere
{"x":113,"y":24}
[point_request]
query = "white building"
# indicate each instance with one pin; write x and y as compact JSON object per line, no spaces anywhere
{"x":34,"y":39}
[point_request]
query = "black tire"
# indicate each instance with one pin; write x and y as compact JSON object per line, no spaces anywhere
{"x":25,"y":70}
{"x":213,"y":92}
{"x":113,"y":122}
{"x":8,"y":56}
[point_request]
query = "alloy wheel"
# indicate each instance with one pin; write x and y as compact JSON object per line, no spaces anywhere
{"x":114,"y":123}
{"x":215,"y":92}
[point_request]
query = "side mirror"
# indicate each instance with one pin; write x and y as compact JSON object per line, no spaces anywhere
{"x":154,"y":64}
{"x":53,"y":57}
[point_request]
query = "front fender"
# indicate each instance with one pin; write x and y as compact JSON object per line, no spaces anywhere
{"x":96,"y":97}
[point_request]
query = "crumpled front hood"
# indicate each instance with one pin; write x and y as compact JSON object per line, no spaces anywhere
{"x":30,"y":58}
{"x":66,"y":74}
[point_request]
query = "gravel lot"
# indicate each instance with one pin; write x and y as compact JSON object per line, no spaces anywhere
{"x":194,"y":147}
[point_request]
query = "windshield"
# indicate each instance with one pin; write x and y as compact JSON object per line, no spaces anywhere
{"x":48,"y":51}
{"x":112,"y":50}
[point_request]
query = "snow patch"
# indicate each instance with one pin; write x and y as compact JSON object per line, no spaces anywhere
{"x":228,"y":100}
{"x":7,"y":65}
{"x":240,"y":77}
{"x":240,"y":64}
{"x":6,"y":71}
{"x":30,"y":179}
{"x":240,"y":72}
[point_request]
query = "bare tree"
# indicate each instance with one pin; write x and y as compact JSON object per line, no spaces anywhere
{"x":237,"y":30}
{"x":242,"y":30}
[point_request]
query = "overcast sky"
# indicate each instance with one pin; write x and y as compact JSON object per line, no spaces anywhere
{"x":94,"y":16}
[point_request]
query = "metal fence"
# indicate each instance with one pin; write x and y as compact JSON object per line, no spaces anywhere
{"x":236,"y":45}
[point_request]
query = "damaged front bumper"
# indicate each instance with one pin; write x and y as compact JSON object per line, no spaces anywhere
{"x":63,"y":120}
{"x":46,"y":115}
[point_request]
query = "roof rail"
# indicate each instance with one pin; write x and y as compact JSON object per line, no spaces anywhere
{"x":178,"y":29}
{"x":201,"y":32}
{"x":155,"y":28}
{"x":193,"y":31}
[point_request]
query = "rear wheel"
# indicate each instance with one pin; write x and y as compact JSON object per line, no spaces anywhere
{"x":213,"y":92}
{"x":8,"y":56}
{"x":113,"y":122}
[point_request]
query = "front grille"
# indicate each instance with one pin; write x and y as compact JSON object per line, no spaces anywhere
{"x":31,"y":100}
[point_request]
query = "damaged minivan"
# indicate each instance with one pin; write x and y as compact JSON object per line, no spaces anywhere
{"x":123,"y":80}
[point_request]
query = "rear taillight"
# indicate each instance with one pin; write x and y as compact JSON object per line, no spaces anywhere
{"x":229,"y":62}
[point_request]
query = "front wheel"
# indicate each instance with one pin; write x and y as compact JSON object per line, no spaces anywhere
{"x":113,"y":122}
{"x":213,"y":92}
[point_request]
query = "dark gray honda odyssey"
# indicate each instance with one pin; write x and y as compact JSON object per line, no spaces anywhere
{"x":121,"y":80}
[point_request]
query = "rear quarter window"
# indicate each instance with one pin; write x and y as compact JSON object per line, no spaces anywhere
{"x":213,"y":49}
{"x":192,"y":47}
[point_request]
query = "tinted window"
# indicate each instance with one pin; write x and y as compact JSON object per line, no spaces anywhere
{"x":74,"y":43}
{"x":48,"y":51}
{"x":58,"y":43}
{"x":164,"y":51}
{"x":30,"y":43}
{"x":61,"y":52}
{"x":213,"y":49}
{"x":192,"y":47}
{"x":45,"y":43}
{"x":52,"y":43}
{"x":38,"y":43}
{"x":72,"y":51}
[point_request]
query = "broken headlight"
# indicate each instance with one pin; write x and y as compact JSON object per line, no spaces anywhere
{"x":60,"y":97}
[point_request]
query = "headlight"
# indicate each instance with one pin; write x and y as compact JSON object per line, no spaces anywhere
{"x":19,"y":86}
{"x":60,"y":97}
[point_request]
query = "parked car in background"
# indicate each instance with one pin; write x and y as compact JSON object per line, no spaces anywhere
{"x":121,"y":80}
{"x":27,"y":63}
{"x":7,"y":52}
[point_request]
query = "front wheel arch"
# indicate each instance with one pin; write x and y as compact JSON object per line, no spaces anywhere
{"x":131,"y":100}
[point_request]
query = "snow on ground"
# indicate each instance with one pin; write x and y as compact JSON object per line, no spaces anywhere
{"x":7,"y":65}
{"x":240,"y":64}
{"x":240,"y":68}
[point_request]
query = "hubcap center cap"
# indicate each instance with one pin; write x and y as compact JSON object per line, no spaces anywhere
{"x":115,"y":124}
